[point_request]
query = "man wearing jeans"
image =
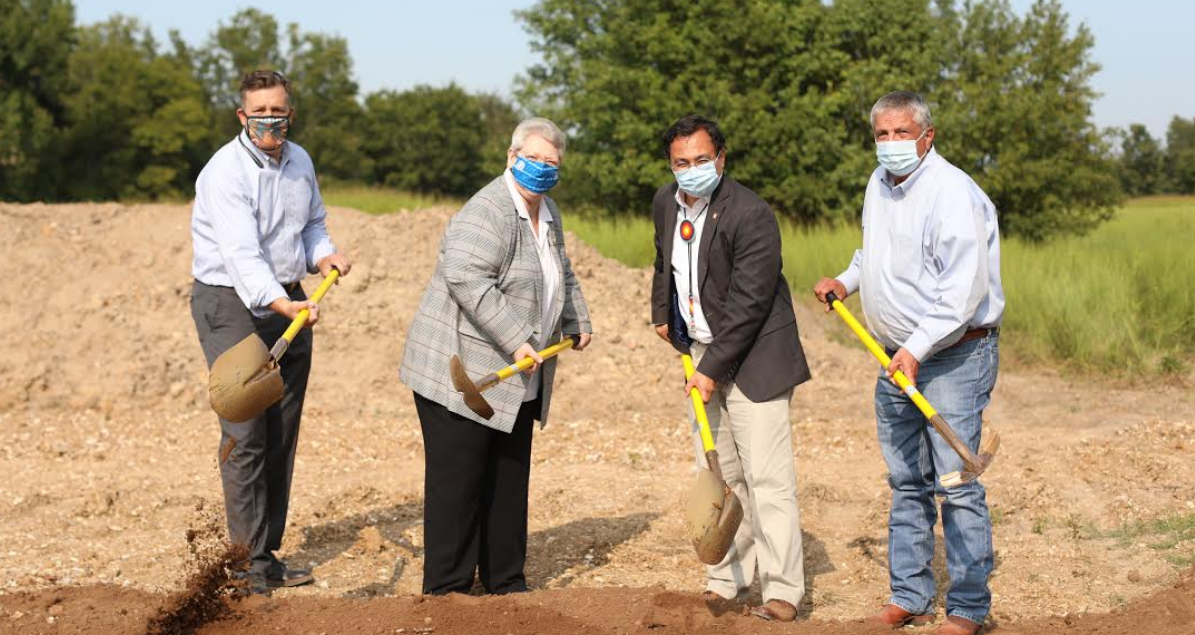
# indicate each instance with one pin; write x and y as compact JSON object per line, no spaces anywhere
{"x":929,"y":277}
{"x":258,"y":228}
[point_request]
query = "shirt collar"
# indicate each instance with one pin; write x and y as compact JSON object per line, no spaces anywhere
{"x":697,"y":205}
{"x":257,"y":152}
{"x":927,"y":162}
{"x":545,"y":215}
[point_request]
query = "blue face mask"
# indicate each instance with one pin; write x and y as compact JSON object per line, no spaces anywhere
{"x":535,"y":176}
{"x":899,"y":157}
{"x":699,"y":180}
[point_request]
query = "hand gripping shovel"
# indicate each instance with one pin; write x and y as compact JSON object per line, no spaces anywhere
{"x":973,"y":465}
{"x":246,"y":379}
{"x":472,"y":390}
{"x":714,"y":511}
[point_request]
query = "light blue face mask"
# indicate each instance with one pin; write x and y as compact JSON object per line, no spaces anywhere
{"x":699,"y":180}
{"x":535,"y":176}
{"x":899,"y":157}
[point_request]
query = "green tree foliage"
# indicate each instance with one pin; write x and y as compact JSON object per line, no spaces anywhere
{"x":1180,"y":154}
{"x":36,"y":37}
{"x":136,"y":120}
{"x":1142,"y":162}
{"x":792,"y":84}
{"x":327,"y":113}
{"x":426,"y":139}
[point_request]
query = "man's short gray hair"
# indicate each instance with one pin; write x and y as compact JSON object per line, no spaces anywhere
{"x":904,"y":100}
{"x":538,"y":126}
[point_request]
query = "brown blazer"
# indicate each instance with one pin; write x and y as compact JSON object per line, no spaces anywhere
{"x":744,"y":295}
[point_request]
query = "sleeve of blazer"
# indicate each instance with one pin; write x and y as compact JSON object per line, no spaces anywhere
{"x":755,"y":269}
{"x":575,"y":317}
{"x":473,"y":251}
{"x":660,"y":287}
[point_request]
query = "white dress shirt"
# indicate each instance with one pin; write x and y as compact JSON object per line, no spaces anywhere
{"x":685,"y":258}
{"x":256,"y":228}
{"x":551,"y":279}
{"x":929,"y":269}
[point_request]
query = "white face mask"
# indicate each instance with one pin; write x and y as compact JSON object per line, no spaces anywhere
{"x":899,"y":157}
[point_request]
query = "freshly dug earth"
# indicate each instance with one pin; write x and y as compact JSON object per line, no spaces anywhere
{"x":108,"y":450}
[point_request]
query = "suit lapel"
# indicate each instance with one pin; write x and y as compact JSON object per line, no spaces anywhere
{"x":669,"y":231}
{"x":718,"y":207}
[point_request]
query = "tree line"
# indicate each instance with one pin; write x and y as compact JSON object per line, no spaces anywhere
{"x":1147,"y":167}
{"x":105,"y":111}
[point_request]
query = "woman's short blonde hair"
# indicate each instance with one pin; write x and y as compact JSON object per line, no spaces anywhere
{"x":538,"y":126}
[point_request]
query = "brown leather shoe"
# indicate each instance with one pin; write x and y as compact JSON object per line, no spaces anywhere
{"x":955,"y":625}
{"x":896,"y":617}
{"x":776,"y":611}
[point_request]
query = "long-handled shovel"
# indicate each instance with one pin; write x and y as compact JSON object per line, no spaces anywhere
{"x":714,"y":511}
{"x":246,"y":379}
{"x":973,"y":465}
{"x":472,"y":389}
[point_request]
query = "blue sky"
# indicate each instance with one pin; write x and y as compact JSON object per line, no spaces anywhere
{"x":1143,"y":46}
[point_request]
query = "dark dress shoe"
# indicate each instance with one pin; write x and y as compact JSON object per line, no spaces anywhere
{"x":776,"y":611}
{"x":896,"y":617}
{"x":290,"y":577}
{"x":956,"y":625}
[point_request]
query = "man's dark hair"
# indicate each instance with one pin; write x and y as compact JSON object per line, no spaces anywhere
{"x":687,"y":126}
{"x":260,"y":79}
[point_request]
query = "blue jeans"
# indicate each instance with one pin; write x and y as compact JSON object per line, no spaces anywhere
{"x":958,"y":382}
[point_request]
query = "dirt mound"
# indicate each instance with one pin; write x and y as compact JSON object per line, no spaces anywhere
{"x":107,"y":446}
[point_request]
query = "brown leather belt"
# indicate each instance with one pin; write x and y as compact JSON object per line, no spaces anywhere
{"x":974,"y":334}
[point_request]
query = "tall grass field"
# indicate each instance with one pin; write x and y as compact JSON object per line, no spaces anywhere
{"x":1120,"y":300}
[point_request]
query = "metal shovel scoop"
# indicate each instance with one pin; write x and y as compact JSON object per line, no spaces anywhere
{"x":472,"y":389}
{"x":246,"y":379}
{"x":973,"y":465}
{"x":714,"y":511}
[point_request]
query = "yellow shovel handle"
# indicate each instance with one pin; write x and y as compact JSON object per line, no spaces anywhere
{"x":526,"y":362}
{"x":877,"y":350}
{"x":301,"y":318}
{"x":703,"y":421}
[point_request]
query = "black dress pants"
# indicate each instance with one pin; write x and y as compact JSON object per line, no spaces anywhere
{"x":257,"y":457}
{"x":475,"y":500}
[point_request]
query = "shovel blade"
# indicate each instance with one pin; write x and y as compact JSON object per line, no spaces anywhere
{"x":468,"y":389}
{"x":244,"y":381}
{"x":714,"y":517}
{"x":988,"y":448}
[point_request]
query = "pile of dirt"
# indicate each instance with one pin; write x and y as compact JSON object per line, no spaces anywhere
{"x":107,"y":446}
{"x":202,"y":596}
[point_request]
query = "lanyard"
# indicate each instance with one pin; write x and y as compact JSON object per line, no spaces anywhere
{"x":688,"y":231}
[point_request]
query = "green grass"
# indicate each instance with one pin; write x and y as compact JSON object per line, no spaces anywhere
{"x":1119,"y":301}
{"x":380,"y":200}
{"x":1165,"y":534}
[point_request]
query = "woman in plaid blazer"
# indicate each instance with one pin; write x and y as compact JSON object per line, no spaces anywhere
{"x":502,"y":289}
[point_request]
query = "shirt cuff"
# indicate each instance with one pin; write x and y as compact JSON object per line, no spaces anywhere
{"x":918,"y":345}
{"x":269,"y":294}
{"x":321,"y":251}
{"x":850,"y":280}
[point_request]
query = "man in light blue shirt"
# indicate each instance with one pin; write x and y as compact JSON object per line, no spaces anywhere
{"x":929,"y":278}
{"x":258,"y":229}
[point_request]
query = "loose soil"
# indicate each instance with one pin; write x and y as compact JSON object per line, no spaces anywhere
{"x":108,"y":450}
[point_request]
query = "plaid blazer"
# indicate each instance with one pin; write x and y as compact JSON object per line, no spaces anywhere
{"x":483,"y":302}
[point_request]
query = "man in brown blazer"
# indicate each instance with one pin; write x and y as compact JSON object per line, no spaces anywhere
{"x":718,"y":293}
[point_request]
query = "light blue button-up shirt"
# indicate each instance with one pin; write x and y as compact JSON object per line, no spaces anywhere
{"x":258,"y":227}
{"x":929,"y":269}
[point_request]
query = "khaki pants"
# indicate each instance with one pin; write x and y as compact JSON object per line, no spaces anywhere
{"x":754,"y":442}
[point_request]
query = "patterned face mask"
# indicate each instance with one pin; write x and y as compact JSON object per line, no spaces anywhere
{"x":267,"y":132}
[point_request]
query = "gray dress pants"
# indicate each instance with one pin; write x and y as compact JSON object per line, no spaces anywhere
{"x":257,"y":457}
